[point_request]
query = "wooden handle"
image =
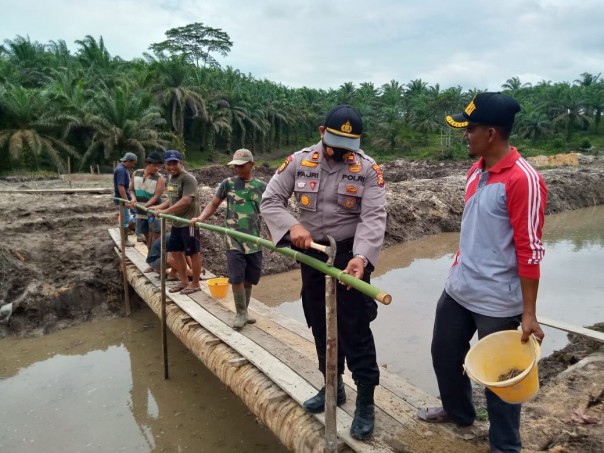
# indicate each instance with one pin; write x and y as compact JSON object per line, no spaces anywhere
{"x":319,"y":247}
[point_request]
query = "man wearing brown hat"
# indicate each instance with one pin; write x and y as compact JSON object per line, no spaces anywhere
{"x":243,"y":194}
{"x":492,"y":285}
{"x":340,"y":193}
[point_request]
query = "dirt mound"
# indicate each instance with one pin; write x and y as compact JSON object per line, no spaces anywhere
{"x":568,"y":413}
{"x":213,"y":175}
{"x":57,"y":266}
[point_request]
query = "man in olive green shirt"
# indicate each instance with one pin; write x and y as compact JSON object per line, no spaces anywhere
{"x":182,"y":202}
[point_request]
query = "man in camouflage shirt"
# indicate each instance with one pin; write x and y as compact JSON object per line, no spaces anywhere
{"x":243,"y":193}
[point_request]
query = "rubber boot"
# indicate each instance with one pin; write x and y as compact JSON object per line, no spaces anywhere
{"x":240,"y":306}
{"x":364,"y":415}
{"x":127,"y":243}
{"x":316,"y":404}
{"x":248,"y":297}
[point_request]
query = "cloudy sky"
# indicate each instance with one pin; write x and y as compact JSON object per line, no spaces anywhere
{"x":323,"y":44}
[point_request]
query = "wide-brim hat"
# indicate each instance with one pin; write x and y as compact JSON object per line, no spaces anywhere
{"x":154,"y":158}
{"x":343,"y":128}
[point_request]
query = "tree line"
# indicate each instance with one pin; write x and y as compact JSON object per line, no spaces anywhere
{"x":92,"y":107}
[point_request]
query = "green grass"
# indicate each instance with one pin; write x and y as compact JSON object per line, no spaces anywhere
{"x":482,"y":415}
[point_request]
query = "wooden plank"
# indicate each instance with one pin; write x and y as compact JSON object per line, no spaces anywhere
{"x":101,"y":190}
{"x":567,"y":327}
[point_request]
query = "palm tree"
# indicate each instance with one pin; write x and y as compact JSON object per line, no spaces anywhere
{"x":572,"y":113}
{"x":177,"y":93}
{"x":29,"y":124}
{"x":30,"y":61}
{"x":533,"y":123}
{"x":125,"y":121}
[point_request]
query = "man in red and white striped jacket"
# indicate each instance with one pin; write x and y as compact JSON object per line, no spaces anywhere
{"x":492,"y":285}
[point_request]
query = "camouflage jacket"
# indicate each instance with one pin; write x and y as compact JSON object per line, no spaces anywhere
{"x":243,"y":210}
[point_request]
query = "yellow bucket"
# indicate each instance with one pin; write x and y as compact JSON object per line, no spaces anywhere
{"x":219,"y":287}
{"x":495,"y":355}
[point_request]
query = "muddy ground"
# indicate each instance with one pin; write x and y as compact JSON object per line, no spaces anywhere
{"x":58,"y":267}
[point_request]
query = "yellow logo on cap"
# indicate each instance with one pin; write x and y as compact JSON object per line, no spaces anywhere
{"x":470,"y":108}
{"x":346,"y":127}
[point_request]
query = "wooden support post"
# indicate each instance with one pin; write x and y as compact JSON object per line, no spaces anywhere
{"x":98,"y":170}
{"x":123,"y":240}
{"x":331,"y":365}
{"x":162,"y":273}
{"x":69,"y":171}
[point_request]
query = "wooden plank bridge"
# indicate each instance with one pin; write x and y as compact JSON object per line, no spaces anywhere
{"x":271,"y":366}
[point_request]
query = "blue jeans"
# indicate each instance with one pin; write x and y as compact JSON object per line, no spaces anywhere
{"x":127,"y":216}
{"x":454,"y":327}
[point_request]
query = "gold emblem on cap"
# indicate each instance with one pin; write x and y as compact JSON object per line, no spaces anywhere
{"x":346,"y":127}
{"x":471,"y":107}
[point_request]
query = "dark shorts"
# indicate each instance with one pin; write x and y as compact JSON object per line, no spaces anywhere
{"x":144,"y":226}
{"x":182,"y":241}
{"x":244,"y":267}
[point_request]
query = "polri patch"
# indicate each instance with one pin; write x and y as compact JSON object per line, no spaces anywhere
{"x":285,"y":164}
{"x":350,"y":202}
{"x":380,"y":174}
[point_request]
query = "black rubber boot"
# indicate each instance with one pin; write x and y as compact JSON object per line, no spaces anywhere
{"x":316,"y":404}
{"x":364,"y":415}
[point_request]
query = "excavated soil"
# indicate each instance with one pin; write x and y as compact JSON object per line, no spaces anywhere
{"x":58,"y":266}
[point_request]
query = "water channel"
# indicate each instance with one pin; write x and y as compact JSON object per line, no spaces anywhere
{"x":99,"y":387}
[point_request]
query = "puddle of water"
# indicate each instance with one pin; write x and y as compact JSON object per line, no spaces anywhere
{"x":571,"y":289}
{"x":100,"y":388}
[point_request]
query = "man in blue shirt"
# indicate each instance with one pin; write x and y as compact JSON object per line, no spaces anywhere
{"x":121,"y":183}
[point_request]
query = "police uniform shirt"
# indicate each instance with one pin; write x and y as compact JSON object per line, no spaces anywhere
{"x":344,"y":200}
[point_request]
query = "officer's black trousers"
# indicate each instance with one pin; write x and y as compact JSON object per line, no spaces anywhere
{"x":355,"y":312}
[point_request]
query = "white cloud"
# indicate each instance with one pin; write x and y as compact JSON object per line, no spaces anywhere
{"x":324,"y":44}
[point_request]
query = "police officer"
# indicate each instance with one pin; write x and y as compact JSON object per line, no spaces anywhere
{"x":340,"y":192}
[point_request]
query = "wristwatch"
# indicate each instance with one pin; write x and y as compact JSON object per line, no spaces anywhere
{"x":364,"y":258}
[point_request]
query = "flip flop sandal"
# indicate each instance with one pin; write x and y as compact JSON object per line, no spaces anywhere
{"x":177,"y":288}
{"x":189,"y":290}
{"x":149,"y":269}
{"x":433,"y":415}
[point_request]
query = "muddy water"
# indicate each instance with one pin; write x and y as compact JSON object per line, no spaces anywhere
{"x":571,"y":289}
{"x":100,"y":388}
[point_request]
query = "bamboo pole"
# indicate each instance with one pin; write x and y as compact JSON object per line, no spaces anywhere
{"x":162,"y":270}
{"x":338,"y":274}
{"x":123,"y":239}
